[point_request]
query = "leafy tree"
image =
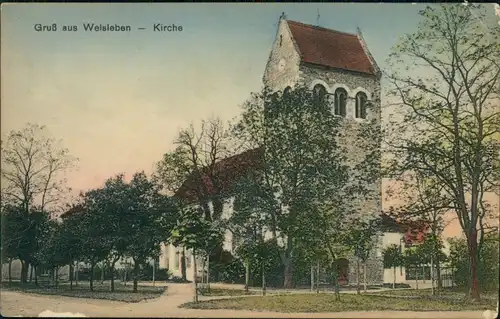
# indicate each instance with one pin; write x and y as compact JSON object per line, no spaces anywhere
{"x":151,"y":217}
{"x":93,"y":232}
{"x":297,"y":133}
{"x":71,"y":237}
{"x":363,"y":237}
{"x":52,"y":253}
{"x":248,"y":222}
{"x":14,"y":240}
{"x":113,"y":203}
{"x":393,"y":257}
{"x":431,"y":252}
{"x":445,"y":80}
{"x":196,"y":233}
{"x":23,"y":235}
{"x":32,"y":163}
{"x":488,"y":256}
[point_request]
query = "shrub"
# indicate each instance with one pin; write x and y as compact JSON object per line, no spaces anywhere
{"x":487,"y":264}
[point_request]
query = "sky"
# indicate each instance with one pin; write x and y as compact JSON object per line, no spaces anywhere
{"x":118,"y":99}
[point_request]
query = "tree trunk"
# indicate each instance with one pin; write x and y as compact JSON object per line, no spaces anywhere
{"x":365,"y":284}
{"x":36,"y":275}
{"x":77,"y":270}
{"x":91,"y":277}
{"x":416,"y":276}
{"x":102,"y":274}
{"x":183,"y":263}
{"x":438,"y":275}
{"x":136,"y":275}
{"x":432,"y":277}
{"x":31,"y":273}
{"x":208,"y":273}
{"x":263,"y":279}
{"x":438,"y":269}
{"x":71,"y":276}
{"x":288,"y":282}
{"x":247,"y":273}
{"x":473,"y":257}
{"x":203,"y":273}
{"x":336,"y":282}
{"x":195,"y":281}
{"x":112,"y":270}
{"x":288,"y":263}
{"x":24,"y":271}
{"x":56,"y":272}
{"x":154,"y":271}
{"x":317,"y":277}
{"x":358,"y":277}
{"x":394,"y":278}
{"x":10,"y":271}
{"x":312,"y":277}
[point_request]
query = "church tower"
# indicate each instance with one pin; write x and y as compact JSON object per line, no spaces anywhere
{"x":340,"y":66}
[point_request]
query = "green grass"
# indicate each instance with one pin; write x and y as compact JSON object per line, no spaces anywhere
{"x":446,"y":292}
{"x":101,"y":291}
{"x":327,"y":303}
{"x":224,"y":292}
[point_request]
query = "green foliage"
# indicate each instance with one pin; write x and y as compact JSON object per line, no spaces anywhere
{"x":17,"y":236}
{"x":431,"y":248}
{"x":193,"y":231}
{"x":27,"y":237}
{"x":151,"y":217}
{"x":393,"y":256}
{"x":302,"y":171}
{"x":488,"y":268}
{"x":362,"y":236}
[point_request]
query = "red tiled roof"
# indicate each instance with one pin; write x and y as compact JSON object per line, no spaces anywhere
{"x":330,"y":48}
{"x":226,"y":172}
{"x":414,"y":231}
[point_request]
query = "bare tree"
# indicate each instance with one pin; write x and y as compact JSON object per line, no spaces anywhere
{"x":32,"y":168}
{"x":32,"y":172}
{"x":191,"y":170}
{"x":447,"y":91}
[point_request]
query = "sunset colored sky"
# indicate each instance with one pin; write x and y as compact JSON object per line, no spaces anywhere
{"x":118,"y":99}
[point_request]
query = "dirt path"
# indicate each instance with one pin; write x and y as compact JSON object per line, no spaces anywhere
{"x":21,"y":304}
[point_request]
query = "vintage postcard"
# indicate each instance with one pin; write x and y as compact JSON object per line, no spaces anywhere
{"x":326,"y":160}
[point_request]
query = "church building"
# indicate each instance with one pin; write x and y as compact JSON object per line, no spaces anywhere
{"x":339,"y":66}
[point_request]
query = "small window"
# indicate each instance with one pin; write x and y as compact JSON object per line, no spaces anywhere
{"x":319,"y":93}
{"x":361,"y":105}
{"x":281,"y":40}
{"x":340,"y":102}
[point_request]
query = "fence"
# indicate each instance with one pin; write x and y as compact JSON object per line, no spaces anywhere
{"x":423,"y":274}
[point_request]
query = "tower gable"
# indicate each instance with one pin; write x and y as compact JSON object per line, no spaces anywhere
{"x":282,"y":67}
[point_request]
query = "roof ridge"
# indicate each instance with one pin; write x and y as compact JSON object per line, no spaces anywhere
{"x":321,"y":28}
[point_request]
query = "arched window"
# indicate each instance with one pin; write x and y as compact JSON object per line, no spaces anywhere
{"x":361,"y":105}
{"x":319,"y":92}
{"x":340,"y":102}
